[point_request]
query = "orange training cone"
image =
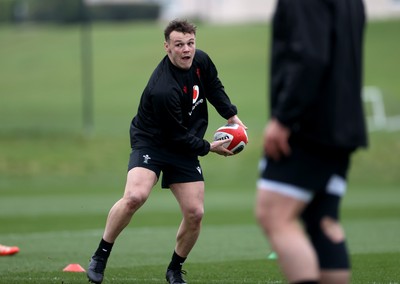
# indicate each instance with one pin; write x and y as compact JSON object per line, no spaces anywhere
{"x":74,"y":267}
{"x":5,"y":250}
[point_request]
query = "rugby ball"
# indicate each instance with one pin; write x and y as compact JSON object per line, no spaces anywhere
{"x":235,"y":132}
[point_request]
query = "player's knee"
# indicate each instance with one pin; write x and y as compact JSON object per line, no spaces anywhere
{"x":134,"y":202}
{"x":332,"y":229}
{"x":268,"y":224}
{"x":195,"y":215}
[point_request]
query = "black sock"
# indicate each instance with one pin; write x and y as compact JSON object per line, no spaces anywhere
{"x":176,"y":262}
{"x":306,"y":282}
{"x":104,"y":249}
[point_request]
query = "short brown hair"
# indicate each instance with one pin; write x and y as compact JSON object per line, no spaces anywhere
{"x":182,"y":26}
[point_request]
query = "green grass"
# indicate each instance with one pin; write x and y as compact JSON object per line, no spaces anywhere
{"x":57,"y":185}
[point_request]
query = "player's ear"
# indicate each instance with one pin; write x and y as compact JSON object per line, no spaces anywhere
{"x":166,"y":47}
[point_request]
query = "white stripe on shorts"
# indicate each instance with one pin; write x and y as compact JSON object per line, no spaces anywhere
{"x":336,"y":185}
{"x":285,"y":189}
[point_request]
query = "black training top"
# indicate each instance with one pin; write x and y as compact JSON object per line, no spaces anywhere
{"x":316,"y":73}
{"x":172,"y":113}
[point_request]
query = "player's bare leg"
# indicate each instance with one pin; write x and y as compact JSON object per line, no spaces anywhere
{"x":139,"y":183}
{"x":138,"y":186}
{"x":278,"y":217}
{"x":190,"y":197}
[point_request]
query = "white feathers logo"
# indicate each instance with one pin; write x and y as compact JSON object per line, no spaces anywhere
{"x":196,"y":95}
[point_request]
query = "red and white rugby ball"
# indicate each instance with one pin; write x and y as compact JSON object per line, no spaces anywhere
{"x":235,"y":132}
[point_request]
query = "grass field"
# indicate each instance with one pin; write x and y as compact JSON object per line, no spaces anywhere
{"x":57,"y":184}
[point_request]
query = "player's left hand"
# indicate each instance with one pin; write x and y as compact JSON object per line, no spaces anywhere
{"x":236,"y":119}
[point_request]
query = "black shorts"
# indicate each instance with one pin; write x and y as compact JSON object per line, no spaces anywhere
{"x":175,"y":168}
{"x":305,"y":172}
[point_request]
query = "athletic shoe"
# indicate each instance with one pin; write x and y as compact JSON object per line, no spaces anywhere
{"x":5,"y":250}
{"x":95,"y":272}
{"x":175,"y":276}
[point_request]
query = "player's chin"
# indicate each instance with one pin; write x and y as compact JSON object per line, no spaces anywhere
{"x":186,"y":64}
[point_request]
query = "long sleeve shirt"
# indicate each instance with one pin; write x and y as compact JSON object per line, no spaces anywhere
{"x":173,"y":113}
{"x":316,"y":70}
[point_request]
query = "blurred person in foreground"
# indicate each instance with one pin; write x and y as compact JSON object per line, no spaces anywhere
{"x":167,"y":135}
{"x":7,"y":250}
{"x":316,"y":123}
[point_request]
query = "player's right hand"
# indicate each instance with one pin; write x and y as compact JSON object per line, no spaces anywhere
{"x":276,"y":140}
{"x":217,"y":147}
